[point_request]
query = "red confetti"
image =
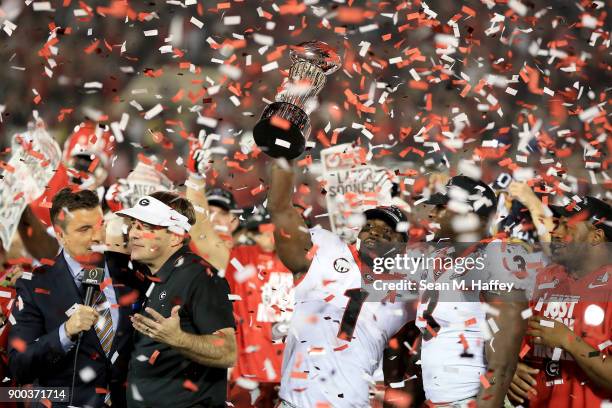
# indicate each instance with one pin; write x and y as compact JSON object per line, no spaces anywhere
{"x":153,"y":357}
{"x":19,"y":345}
{"x":189,"y":385}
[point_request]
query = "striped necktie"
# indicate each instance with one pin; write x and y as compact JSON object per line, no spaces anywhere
{"x":104,"y":326}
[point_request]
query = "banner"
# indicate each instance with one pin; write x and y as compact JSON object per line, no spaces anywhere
{"x":35,"y":157}
{"x":352,"y":188}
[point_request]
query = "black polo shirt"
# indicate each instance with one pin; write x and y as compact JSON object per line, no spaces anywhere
{"x":160,"y":376}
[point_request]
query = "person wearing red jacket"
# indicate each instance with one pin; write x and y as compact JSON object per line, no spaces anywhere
{"x":263,"y":288}
{"x":567,"y":348}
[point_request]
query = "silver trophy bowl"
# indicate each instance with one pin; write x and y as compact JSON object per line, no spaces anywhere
{"x":284,"y":126}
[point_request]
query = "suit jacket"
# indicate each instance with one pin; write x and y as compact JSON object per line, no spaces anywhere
{"x":35,"y":352}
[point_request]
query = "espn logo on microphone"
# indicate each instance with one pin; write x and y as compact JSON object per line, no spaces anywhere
{"x":93,"y":276}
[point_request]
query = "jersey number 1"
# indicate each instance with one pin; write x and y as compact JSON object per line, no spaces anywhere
{"x":349,"y":319}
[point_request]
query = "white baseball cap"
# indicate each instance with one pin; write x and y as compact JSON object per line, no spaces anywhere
{"x":152,"y":211}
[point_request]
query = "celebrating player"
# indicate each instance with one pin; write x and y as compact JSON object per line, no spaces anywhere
{"x":215,"y":220}
{"x":263,"y":311}
{"x":456,"y":370}
{"x":336,"y":339}
{"x":566,"y":364}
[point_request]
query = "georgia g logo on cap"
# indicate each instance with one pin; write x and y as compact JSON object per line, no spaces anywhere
{"x":144,"y":202}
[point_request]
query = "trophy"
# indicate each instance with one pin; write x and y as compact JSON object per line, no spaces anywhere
{"x":284,"y":126}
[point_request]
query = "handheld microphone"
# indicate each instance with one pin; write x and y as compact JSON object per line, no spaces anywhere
{"x":92,"y":279}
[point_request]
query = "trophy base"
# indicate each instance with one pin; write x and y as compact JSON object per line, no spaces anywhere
{"x":281,"y":130}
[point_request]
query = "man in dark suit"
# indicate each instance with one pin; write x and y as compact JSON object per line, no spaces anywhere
{"x":50,"y":313}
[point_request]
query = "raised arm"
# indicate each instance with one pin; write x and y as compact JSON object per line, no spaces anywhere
{"x":204,"y":237}
{"x":291,"y":236}
{"x":542,"y":221}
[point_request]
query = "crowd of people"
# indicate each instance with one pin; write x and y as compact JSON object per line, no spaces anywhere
{"x":190,"y":286}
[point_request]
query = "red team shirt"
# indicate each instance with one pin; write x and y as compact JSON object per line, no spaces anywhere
{"x":265,"y":287}
{"x":562,"y":383}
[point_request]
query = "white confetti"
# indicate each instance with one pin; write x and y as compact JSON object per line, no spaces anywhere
{"x":367,"y":28}
{"x":165,"y":49}
{"x":72,"y":309}
{"x":527,"y":313}
{"x":511,"y":91}
{"x":269,"y":66}
{"x":547,"y":323}
{"x":364,"y":46}
{"x":97,"y":85}
{"x":282,"y":143}
{"x":114,"y":357}
{"x":135,"y":393}
{"x":604,"y":345}
{"x":206,"y":121}
{"x":235,"y":100}
{"x":8,"y":27}
{"x":231,"y":20}
{"x":87,"y":374}
{"x":43,"y":6}
{"x":367,"y":133}
{"x":263,"y":39}
{"x":153,"y":112}
{"x":116,"y":129}
{"x":269,"y":368}
{"x":588,"y":115}
{"x":518,"y":7}
{"x":150,"y":289}
{"x":198,"y":24}
{"x":246,"y":383}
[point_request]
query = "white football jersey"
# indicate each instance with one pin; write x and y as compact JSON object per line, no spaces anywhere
{"x":453,"y":319}
{"x":319,"y":365}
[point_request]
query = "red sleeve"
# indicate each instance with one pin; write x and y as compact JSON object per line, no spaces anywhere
{"x":7,"y":294}
{"x":41,"y":206}
{"x":244,"y":254}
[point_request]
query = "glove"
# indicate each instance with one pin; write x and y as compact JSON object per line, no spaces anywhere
{"x":116,"y":196}
{"x":197,"y":163}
